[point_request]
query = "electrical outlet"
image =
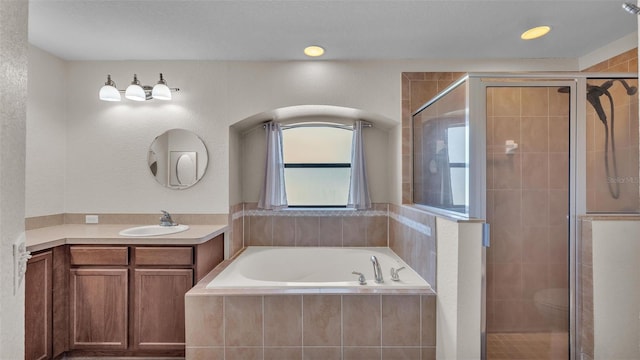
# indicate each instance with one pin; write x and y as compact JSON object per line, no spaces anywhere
{"x":91,"y":219}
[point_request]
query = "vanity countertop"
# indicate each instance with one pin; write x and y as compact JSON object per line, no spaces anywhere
{"x":48,"y":237}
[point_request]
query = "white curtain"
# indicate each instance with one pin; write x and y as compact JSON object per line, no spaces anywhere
{"x":358,"y":186}
{"x":273,"y":194}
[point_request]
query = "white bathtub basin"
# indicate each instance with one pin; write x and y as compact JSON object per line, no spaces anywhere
{"x":153,"y":230}
{"x":265,"y":267}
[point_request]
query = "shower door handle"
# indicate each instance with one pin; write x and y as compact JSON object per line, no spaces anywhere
{"x":486,"y":235}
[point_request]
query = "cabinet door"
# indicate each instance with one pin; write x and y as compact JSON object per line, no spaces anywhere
{"x":159,"y":308}
{"x":98,"y":303}
{"x":37,"y":304}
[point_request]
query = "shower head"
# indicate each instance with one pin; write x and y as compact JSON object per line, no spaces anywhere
{"x":631,"y":90}
{"x":593,"y":96}
{"x":631,"y":8}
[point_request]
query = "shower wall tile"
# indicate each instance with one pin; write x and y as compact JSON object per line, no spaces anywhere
{"x":535,"y":134}
{"x":535,"y":101}
{"x":535,"y":170}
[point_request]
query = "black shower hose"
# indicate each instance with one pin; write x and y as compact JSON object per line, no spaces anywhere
{"x":614,"y":190}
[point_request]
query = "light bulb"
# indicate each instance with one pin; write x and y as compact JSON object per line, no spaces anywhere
{"x":109,"y":92}
{"x":134,"y":91}
{"x":161,"y":91}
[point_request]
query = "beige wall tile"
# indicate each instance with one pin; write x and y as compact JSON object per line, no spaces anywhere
{"x":534,"y":279}
{"x":535,"y":170}
{"x":428,"y":320}
{"x":284,"y":231}
{"x":204,"y":320}
{"x":508,"y":281}
{"x":322,"y":353}
{"x":204,"y":353}
{"x":244,"y":353}
{"x":330,"y":233}
{"x":401,"y":320}
{"x":354,"y":231}
{"x":506,"y":101}
{"x":376,"y":230}
{"x":361,"y":320}
{"x":535,"y":134}
{"x":535,"y":244}
{"x":399,"y":353}
{"x":307,"y":228}
{"x":507,"y":171}
{"x":260,"y":231}
{"x":243,"y":321}
{"x":429,"y":353}
{"x":322,"y":320}
{"x":535,"y":208}
{"x":535,"y":101}
{"x":361,"y":353}
{"x":283,"y":353}
{"x":283,"y":320}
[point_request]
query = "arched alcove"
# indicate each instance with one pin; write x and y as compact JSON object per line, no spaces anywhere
{"x":247,"y":144}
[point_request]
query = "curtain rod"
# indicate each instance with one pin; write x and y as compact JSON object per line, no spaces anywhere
{"x":318,"y":124}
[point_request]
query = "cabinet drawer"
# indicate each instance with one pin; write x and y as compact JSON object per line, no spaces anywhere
{"x":179,"y":255}
{"x":99,"y":255}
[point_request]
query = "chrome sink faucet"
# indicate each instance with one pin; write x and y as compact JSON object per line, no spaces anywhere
{"x":377,"y":272}
{"x":166,"y":219}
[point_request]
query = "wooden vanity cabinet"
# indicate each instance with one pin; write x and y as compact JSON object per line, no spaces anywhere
{"x":46,"y":304}
{"x":162,"y":275}
{"x":98,"y":297}
{"x":129,"y":300}
{"x":38,"y":305}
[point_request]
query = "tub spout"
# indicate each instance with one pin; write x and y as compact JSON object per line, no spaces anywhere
{"x":377,"y":272}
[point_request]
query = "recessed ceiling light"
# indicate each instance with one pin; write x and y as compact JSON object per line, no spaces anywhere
{"x":313,"y":51}
{"x":535,"y":32}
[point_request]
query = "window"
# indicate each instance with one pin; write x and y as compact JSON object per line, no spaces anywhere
{"x":317,"y":166}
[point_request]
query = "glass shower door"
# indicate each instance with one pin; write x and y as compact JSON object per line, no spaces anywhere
{"x":527,"y":207}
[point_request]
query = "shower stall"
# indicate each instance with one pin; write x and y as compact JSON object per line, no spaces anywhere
{"x":529,"y":154}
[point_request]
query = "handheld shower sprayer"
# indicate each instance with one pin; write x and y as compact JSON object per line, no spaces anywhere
{"x":594,"y":93}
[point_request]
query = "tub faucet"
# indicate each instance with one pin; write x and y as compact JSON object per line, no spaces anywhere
{"x":377,"y":272}
{"x":166,"y":219}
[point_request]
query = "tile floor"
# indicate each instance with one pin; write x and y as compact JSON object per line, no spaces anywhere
{"x":528,"y":346}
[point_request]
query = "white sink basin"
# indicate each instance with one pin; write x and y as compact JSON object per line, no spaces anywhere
{"x":153,"y":230}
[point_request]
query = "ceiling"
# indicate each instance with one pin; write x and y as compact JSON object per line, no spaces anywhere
{"x":262,"y":30}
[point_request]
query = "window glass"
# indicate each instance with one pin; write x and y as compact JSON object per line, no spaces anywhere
{"x":441,"y":153}
{"x":317,"y":165}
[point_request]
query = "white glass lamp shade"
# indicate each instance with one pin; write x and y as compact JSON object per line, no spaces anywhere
{"x":135,"y":92}
{"x":161,"y":92}
{"x":109,"y":93}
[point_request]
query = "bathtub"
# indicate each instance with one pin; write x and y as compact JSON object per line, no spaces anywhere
{"x":262,"y":267}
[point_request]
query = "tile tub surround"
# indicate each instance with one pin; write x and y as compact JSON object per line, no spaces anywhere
{"x":310,"y":326}
{"x":409,"y":231}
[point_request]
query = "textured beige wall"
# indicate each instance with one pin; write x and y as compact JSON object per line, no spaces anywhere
{"x":13,"y":97}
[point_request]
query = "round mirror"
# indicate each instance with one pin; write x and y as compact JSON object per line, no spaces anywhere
{"x":178,"y":159}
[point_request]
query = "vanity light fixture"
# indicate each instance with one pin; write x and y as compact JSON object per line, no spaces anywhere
{"x":535,"y":32}
{"x":314,"y":51}
{"x":136,"y":91}
{"x":631,"y":8}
